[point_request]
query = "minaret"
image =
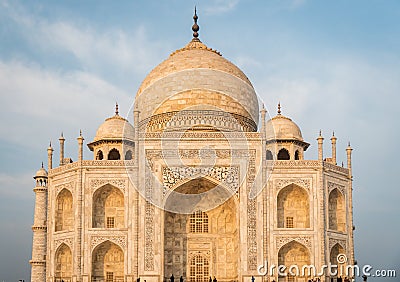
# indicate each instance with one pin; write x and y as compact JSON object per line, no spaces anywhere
{"x":39,"y":228}
{"x":320,"y":147}
{"x":50,"y":157}
{"x":348,"y":150}
{"x":62,"y":140}
{"x":333,"y":140}
{"x":263,"y":122}
{"x":80,"y":145}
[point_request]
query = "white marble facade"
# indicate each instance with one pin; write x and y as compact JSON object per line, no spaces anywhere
{"x":195,"y":187}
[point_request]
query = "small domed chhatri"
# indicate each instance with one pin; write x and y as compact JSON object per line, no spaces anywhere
{"x":114,"y":139}
{"x":41,"y":173}
{"x":199,"y":81}
{"x":284,"y":138}
{"x":283,"y":128}
{"x":115,"y":127}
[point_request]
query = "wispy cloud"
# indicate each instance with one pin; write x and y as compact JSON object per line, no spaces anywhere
{"x":108,"y":51}
{"x":221,"y":6}
{"x":52,"y":100}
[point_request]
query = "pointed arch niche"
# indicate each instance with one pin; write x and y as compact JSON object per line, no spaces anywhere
{"x":293,"y":253}
{"x":63,"y":263}
{"x":108,"y":208}
{"x":64,"y":219}
{"x":108,"y":263}
{"x":337,"y":211}
{"x":191,"y":238}
{"x":293,"y":207}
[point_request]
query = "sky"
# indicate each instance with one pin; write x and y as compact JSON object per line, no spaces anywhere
{"x":333,"y":65}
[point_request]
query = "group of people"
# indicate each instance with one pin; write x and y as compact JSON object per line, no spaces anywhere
{"x":172,"y":279}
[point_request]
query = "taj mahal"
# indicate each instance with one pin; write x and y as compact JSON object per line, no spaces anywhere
{"x":199,"y":183}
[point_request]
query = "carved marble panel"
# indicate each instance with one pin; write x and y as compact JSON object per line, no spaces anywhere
{"x":302,"y":182}
{"x":332,"y":186}
{"x":334,"y":241}
{"x":99,"y":182}
{"x":119,"y":240}
{"x":67,"y":186}
{"x":283,"y":240}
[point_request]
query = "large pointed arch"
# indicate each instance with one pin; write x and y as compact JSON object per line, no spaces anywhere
{"x":215,"y":227}
{"x":108,"y":208}
{"x":108,"y":262}
{"x":293,"y":207}
{"x":337,"y":211}
{"x":64,"y":218}
{"x":294,"y":254}
{"x":63,"y":263}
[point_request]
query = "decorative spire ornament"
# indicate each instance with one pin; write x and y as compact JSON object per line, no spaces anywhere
{"x":195,"y":26}
{"x":279,"y":108}
{"x":116,"y":109}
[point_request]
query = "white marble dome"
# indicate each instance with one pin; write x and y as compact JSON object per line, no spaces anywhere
{"x":197,"y":79}
{"x":115,"y":127}
{"x":283,"y":128}
{"x":41,"y":173}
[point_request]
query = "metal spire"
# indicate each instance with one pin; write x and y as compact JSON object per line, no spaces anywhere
{"x":279,"y":108}
{"x":116,"y":109}
{"x":195,"y":26}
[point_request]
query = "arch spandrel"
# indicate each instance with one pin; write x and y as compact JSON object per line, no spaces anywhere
{"x":282,"y":183}
{"x":174,"y":177}
{"x":202,"y":193}
{"x":119,"y":183}
{"x":120,"y":241}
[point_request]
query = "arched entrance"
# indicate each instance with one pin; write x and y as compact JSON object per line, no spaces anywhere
{"x":203,"y":242}
{"x":293,"y":254}
{"x":293,"y":207}
{"x":64,"y":219}
{"x":63,"y":264}
{"x":107,"y":263}
{"x":337,"y":211}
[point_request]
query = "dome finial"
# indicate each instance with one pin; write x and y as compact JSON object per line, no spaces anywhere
{"x":279,"y":108}
{"x":42,"y":165}
{"x":195,"y":26}
{"x":116,"y":109}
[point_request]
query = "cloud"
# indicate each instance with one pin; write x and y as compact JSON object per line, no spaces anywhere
{"x":221,"y":6}
{"x":102,"y":51}
{"x":40,"y":100}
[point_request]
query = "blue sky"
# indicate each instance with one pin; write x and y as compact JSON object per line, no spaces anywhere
{"x":334,"y":65}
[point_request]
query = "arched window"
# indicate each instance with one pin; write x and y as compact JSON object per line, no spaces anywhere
{"x":114,"y":155}
{"x":99,"y":155}
{"x":108,"y":208}
{"x":128,"y":155}
{"x":337,"y":211}
{"x":63,"y":263}
{"x":269,"y":155}
{"x":283,"y":154}
{"x":199,"y":269}
{"x":64,"y":215}
{"x":199,"y":222}
{"x":335,"y":251}
{"x":293,"y":208}
{"x":108,"y":263}
{"x":293,"y":253}
{"x":297,"y":155}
